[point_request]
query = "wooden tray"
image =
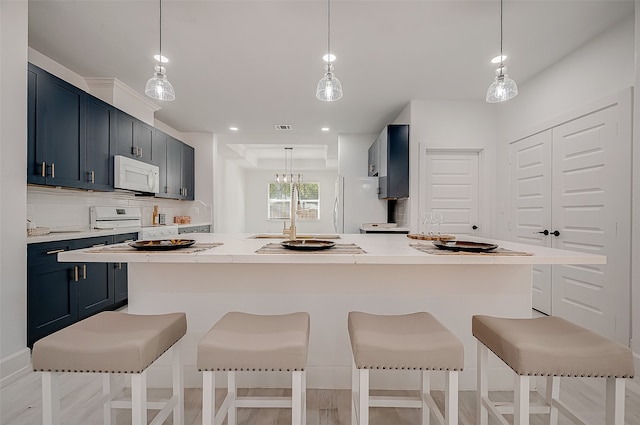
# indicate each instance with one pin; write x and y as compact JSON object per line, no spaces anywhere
{"x":431,"y":237}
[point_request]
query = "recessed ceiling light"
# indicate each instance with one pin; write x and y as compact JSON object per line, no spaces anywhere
{"x":329,"y":57}
{"x":499,"y":59}
{"x":325,"y":129}
{"x":233,"y":128}
{"x":158,"y":58}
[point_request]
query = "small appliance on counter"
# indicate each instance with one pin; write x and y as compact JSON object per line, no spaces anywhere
{"x":383,"y":228}
{"x":115,"y":217}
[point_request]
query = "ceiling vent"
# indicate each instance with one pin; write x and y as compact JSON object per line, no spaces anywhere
{"x":283,"y":127}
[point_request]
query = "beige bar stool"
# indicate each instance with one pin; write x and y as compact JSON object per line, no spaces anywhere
{"x":415,"y":341}
{"x":250,"y":342}
{"x":551,"y":347}
{"x":111,"y":343}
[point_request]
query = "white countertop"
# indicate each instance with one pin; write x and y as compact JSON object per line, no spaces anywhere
{"x":380,"y":249}
{"x":80,"y":233}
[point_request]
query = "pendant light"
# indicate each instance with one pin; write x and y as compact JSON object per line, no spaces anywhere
{"x":158,"y":87}
{"x":503,"y":88}
{"x":329,"y":88}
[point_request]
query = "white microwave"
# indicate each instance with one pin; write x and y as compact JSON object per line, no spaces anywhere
{"x":135,"y":175}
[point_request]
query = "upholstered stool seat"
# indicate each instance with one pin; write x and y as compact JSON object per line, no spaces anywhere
{"x":250,"y":342}
{"x":109,"y":343}
{"x":551,"y":347}
{"x":415,"y":341}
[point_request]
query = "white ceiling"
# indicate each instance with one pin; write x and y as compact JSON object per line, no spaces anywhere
{"x":254,"y":64}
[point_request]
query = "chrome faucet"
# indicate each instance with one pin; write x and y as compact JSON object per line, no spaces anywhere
{"x":295,"y":206}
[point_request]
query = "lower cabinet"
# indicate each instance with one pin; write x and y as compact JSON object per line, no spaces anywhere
{"x":59,"y":294}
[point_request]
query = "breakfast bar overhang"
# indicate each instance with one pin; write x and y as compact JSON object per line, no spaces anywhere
{"x":389,"y":277}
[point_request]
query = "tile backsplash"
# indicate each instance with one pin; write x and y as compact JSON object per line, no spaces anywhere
{"x":68,"y":209}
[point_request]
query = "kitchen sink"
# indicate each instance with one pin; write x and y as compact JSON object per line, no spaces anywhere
{"x":280,"y":236}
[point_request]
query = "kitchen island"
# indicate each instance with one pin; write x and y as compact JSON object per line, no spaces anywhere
{"x":389,"y":277}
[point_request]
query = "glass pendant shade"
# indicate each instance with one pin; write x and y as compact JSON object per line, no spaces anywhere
{"x":503,"y":88}
{"x":158,"y":87}
{"x":329,"y":87}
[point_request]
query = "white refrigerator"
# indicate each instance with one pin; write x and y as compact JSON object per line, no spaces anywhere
{"x":357,"y":203}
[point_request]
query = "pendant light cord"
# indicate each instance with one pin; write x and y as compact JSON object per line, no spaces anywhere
{"x":160,"y":59}
{"x":329,"y":31}
{"x":501,"y":55}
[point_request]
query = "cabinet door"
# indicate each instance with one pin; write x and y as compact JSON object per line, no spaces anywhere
{"x":174,"y":167}
{"x":99,"y":144}
{"x":396,"y":159}
{"x":95,"y":288}
{"x":60,"y":126}
{"x":159,"y":147}
{"x":36,"y":154}
{"x":125,"y":145}
{"x":51,"y":300}
{"x":188,"y":172}
{"x":374,"y":158}
{"x":530,"y":210}
{"x":119,"y":270}
{"x":143,"y":139}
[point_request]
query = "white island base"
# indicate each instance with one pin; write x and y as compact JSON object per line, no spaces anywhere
{"x":328,"y":292}
{"x":390,"y":277}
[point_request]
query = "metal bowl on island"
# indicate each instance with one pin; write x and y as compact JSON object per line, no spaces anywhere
{"x":307,"y":244}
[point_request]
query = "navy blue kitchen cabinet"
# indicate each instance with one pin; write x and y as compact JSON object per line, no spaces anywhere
{"x":188,"y":173}
{"x":100,"y":144}
{"x":60,"y":294}
{"x":119,"y":271}
{"x":52,"y":298}
{"x":134,"y":138}
{"x":159,"y":146}
{"x":57,"y":111}
{"x":95,"y":285}
{"x":176,"y":162}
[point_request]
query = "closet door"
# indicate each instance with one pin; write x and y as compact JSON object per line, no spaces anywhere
{"x":591,"y":196}
{"x":530,"y":215}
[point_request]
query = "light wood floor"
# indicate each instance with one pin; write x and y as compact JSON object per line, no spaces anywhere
{"x":20,"y":404}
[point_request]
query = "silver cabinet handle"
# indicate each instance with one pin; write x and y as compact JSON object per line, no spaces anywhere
{"x":93,"y":177}
{"x":55,"y":251}
{"x":44,"y":169}
{"x":98,"y":244}
{"x":53,"y":170}
{"x":84,"y":272}
{"x":134,"y":150}
{"x":140,"y":152}
{"x":119,"y":266}
{"x":75,"y":273}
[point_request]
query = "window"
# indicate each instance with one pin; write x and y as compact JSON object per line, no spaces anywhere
{"x":279,"y":196}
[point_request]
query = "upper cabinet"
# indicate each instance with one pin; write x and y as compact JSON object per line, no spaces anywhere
{"x":134,"y":138}
{"x":389,"y":161}
{"x":176,"y":162}
{"x":56,"y":136}
{"x":72,"y":137}
{"x":101,"y":127}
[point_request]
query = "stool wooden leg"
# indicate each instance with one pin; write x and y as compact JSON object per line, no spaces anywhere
{"x":50,"y":398}
{"x":178,"y":384}
{"x":482,"y":415}
{"x":139,"y":398}
{"x":208,"y":397}
{"x":296,"y":397}
{"x":451,"y":397}
{"x":354,"y":394}
{"x":233,"y":393}
{"x":107,"y":396}
{"x":615,"y":401}
{"x":552,"y":392}
{"x":363,"y":399}
{"x":304,"y":397}
{"x":425,"y":389}
{"x":521,"y":400}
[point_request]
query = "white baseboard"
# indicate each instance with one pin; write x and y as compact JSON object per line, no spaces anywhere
{"x":14,"y":364}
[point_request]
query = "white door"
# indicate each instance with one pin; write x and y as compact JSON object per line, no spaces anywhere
{"x":591,"y":213}
{"x":451,"y":186}
{"x":530,"y":215}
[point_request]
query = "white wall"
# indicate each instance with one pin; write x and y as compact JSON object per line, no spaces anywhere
{"x":13,"y":156}
{"x":256,"y":202}
{"x":635,"y":203}
{"x":353,"y":154}
{"x":452,"y":125}
{"x":229,"y":201}
{"x":204,"y":160}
